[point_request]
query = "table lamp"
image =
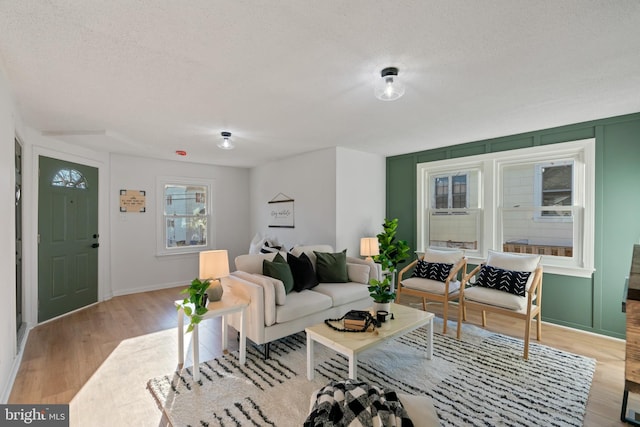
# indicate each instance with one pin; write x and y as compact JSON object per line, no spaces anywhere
{"x":369,"y":247}
{"x":214,"y":265}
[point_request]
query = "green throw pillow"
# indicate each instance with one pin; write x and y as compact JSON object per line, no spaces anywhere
{"x":331,"y":268}
{"x":279,"y":258}
{"x":280,"y":271}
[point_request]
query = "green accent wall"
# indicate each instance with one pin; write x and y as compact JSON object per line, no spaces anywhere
{"x":591,"y":304}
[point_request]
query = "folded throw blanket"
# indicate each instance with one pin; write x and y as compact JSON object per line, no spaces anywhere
{"x":357,"y":404}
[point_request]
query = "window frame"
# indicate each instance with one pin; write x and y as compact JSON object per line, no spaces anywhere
{"x":161,"y":228}
{"x":426,"y":199}
{"x":538,"y":188}
{"x":491,"y":165}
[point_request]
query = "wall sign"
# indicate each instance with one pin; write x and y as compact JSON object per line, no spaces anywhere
{"x":133,"y":201}
{"x":281,"y":211}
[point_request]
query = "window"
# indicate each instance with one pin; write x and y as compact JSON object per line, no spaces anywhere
{"x":534,"y":200}
{"x":185,"y":216}
{"x":69,"y":178}
{"x":554,"y":187}
{"x":450,"y":191}
{"x":452,"y":216}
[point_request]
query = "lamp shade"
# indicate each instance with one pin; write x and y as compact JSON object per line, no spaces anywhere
{"x":214,"y":264}
{"x":369,"y":246}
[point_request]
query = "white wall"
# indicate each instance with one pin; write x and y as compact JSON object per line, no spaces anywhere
{"x":135,"y":267}
{"x":8,"y":346}
{"x":333,"y":203}
{"x":360,"y":195}
{"x":309,"y":179}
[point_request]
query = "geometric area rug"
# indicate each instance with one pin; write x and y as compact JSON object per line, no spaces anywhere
{"x":479,"y":380}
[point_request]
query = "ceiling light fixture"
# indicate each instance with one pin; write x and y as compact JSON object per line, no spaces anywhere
{"x":389,"y":88}
{"x":226,"y":143}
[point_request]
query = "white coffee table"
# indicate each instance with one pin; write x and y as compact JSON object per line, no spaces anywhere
{"x":406,"y":319}
{"x":227,"y":305}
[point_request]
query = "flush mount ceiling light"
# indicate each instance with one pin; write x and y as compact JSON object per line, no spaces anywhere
{"x":389,"y":88}
{"x":226,"y":143}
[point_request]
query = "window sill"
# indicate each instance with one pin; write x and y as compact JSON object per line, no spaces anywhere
{"x":550,"y":269}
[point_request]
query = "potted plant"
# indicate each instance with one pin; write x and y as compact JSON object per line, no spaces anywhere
{"x":198,"y":297}
{"x":392,"y":253}
{"x":381,"y":293}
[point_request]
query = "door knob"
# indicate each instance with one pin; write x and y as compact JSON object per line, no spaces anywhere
{"x":95,"y":245}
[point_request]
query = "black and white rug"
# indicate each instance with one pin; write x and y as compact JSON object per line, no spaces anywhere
{"x":480,"y":380}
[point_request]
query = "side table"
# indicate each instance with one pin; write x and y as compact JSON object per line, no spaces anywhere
{"x":227,"y":305}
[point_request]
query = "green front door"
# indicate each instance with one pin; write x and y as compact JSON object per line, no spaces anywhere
{"x":67,"y":236}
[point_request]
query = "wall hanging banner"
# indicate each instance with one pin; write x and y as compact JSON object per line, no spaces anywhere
{"x":132,"y":201}
{"x":281,"y":211}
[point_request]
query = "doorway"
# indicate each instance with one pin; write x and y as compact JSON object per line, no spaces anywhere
{"x":68,"y":238}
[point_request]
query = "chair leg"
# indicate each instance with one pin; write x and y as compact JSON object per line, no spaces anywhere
{"x":461,"y":316}
{"x":464,"y":313}
{"x":539,"y":326}
{"x":424,"y":304}
{"x":484,"y":319}
{"x":527,"y":330}
{"x":445,"y":317}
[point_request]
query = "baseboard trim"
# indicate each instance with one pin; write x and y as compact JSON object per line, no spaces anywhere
{"x":15,"y":367}
{"x":158,"y":287}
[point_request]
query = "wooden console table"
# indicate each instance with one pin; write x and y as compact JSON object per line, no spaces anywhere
{"x":632,"y":358}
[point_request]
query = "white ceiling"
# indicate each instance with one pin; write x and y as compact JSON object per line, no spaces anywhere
{"x":150,"y":77}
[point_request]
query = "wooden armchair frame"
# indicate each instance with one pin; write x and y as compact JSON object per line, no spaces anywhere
{"x":442,"y":298}
{"x":532,"y":310}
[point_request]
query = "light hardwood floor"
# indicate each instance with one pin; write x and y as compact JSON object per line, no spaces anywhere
{"x":99,"y":359}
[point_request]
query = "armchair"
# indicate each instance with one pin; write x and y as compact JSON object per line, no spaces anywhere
{"x":509,"y":284}
{"x":435,"y":278}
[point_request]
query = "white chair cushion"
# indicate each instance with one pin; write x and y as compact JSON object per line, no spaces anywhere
{"x":497,"y":298}
{"x":430,"y":286}
{"x":514,"y":262}
{"x":446,"y":257}
{"x":268,"y":291}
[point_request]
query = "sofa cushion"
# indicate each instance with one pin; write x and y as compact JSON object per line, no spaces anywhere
{"x":279,"y":270}
{"x":343,"y":293}
{"x":278,"y":286}
{"x":252,"y":263}
{"x":309,"y":250}
{"x":304,"y":277}
{"x":301,"y":304}
{"x":428,"y":285}
{"x":267,"y":290}
{"x":332,"y":267}
{"x":358,"y":272}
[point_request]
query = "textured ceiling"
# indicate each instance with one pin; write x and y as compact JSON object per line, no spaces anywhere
{"x":150,"y":77}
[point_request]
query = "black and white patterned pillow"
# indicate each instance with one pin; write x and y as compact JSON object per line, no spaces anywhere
{"x":432,"y":270}
{"x":514,"y":282}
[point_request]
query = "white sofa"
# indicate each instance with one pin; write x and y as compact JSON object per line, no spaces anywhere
{"x":272,"y":314}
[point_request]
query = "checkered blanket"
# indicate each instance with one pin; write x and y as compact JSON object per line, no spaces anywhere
{"x":356,"y":404}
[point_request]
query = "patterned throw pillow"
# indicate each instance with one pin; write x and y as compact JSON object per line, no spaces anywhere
{"x":514,"y":282}
{"x":432,"y":270}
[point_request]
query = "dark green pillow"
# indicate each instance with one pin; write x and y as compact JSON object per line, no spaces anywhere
{"x":280,"y":271}
{"x":279,"y":258}
{"x":331,"y":268}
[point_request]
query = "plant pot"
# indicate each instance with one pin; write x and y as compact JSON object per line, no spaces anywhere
{"x":381,"y":306}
